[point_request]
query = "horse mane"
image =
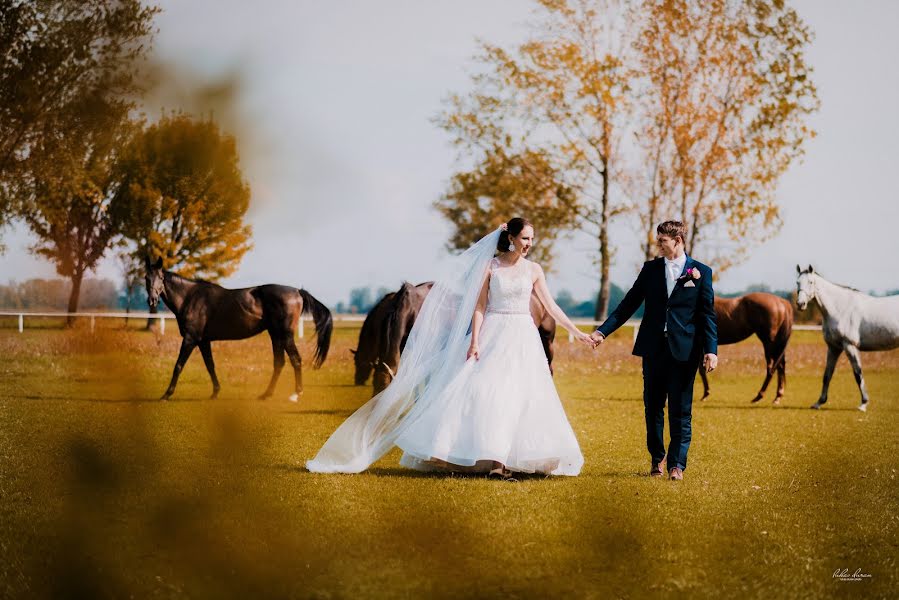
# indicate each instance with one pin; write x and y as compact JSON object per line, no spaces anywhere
{"x":399,"y":298}
{"x":188,"y":279}
{"x":840,"y":285}
{"x":846,"y":287}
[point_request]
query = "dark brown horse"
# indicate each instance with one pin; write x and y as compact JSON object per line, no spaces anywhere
{"x":767,"y":316}
{"x":369,"y":339}
{"x":403,"y":309}
{"x":207,"y":312}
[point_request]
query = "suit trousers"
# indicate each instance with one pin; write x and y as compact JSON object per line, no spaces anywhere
{"x":667,"y":378}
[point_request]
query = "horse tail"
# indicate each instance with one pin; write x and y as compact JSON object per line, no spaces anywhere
{"x":324,"y":324}
{"x":783,"y":333}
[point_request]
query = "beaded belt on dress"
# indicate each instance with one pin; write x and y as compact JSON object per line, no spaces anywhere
{"x":508,"y":311}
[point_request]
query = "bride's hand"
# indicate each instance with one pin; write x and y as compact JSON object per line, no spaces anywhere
{"x":473,"y":351}
{"x":583,"y":337}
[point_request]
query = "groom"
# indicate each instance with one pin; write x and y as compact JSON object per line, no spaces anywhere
{"x":679,"y":326}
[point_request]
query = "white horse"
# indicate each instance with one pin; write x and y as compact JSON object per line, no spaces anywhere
{"x":854,"y":322}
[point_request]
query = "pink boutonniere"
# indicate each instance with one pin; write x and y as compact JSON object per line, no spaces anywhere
{"x":692,"y":273}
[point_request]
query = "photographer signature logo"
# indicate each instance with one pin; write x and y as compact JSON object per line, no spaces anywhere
{"x":845,"y":575}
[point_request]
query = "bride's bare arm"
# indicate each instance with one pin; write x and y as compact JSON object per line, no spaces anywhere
{"x":478,"y":317}
{"x":546,"y":298}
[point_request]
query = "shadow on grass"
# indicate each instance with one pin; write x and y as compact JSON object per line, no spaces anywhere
{"x":622,"y":475}
{"x":343,"y":412}
{"x":95,"y":399}
{"x":768,"y":406}
{"x":331,"y":385}
{"x":613,"y":399}
{"x":377,"y":472}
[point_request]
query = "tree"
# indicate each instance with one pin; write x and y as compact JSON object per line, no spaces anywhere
{"x":655,"y":108}
{"x":502,"y":187}
{"x":72,"y":188}
{"x":185,"y":198}
{"x":725,"y":96}
{"x":133,"y":292}
{"x":55,"y":54}
{"x":562,"y":98}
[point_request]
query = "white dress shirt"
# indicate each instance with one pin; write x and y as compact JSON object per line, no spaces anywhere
{"x":673,"y":269}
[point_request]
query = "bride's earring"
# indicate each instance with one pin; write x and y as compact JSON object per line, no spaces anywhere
{"x":511,"y":246}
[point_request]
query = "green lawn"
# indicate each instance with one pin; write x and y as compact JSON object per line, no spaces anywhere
{"x":105,"y":491}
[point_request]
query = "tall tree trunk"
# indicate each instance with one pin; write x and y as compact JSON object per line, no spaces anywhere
{"x":77,"y":276}
{"x":649,"y":253}
{"x":605,"y":260}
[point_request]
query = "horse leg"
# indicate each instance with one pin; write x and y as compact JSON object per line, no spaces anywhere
{"x":278,"y":352}
{"x":855,"y":359}
{"x":187,"y":346}
{"x":206,"y":351}
{"x":833,"y":353}
{"x":705,"y":384}
{"x":769,"y":372}
{"x":294,"y":355}
{"x":548,"y":349}
{"x":781,"y":378}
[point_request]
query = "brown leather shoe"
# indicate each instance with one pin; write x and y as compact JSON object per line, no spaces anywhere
{"x":676,"y":474}
{"x":657,"y":468}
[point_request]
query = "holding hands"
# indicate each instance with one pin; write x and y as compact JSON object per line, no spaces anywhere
{"x":584,"y":338}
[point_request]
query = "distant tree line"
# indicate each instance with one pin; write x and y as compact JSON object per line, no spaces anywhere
{"x":53,"y":294}
{"x":362,"y":300}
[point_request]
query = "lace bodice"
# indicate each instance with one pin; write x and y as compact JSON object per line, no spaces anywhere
{"x":510,"y":287}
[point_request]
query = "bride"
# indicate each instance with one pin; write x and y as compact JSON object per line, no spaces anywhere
{"x":473,"y":392}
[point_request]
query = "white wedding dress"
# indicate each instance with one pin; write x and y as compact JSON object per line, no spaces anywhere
{"x":503,"y":406}
{"x":452,"y":414}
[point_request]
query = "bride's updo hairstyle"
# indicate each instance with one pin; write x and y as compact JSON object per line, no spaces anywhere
{"x":514,"y":228}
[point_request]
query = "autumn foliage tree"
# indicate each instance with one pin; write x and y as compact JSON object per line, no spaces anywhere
{"x":73,"y":188}
{"x":185,"y":197}
{"x":656,"y":109}
{"x":501,"y":187}
{"x":726,"y":92}
{"x":561,"y":96}
{"x":55,"y":55}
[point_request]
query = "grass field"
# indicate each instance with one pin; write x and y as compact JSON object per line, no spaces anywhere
{"x":107,"y":492}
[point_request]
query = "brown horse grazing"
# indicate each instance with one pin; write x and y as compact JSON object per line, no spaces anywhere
{"x":207,"y":312}
{"x":546,"y":327}
{"x":369,"y":339}
{"x":403,"y":309}
{"x":767,"y":316}
{"x":399,"y":317}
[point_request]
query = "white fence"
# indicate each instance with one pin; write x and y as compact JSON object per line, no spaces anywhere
{"x":635,"y":323}
{"x":163,"y":317}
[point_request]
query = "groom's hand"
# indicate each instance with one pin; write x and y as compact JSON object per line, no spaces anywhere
{"x":710,"y":362}
{"x":597,"y":338}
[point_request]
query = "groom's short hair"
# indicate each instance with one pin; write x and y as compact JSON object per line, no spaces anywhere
{"x":673,"y":229}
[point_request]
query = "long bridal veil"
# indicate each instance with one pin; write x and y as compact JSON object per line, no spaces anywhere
{"x":428,"y":363}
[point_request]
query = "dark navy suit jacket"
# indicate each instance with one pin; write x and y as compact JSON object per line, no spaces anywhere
{"x":689,"y":312}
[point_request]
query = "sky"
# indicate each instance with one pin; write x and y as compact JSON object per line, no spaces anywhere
{"x":334,"y":124}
